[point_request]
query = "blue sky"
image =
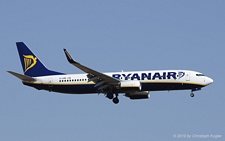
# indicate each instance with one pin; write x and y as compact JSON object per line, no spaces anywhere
{"x":113,"y":36}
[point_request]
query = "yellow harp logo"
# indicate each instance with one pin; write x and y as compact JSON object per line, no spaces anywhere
{"x":29,"y":62}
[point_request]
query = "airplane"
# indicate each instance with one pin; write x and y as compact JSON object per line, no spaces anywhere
{"x":133,"y":84}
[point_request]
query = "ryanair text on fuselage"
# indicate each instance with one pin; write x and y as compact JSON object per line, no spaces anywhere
{"x":149,"y":76}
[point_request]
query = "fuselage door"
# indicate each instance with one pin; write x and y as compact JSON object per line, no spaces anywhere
{"x":187,"y":76}
{"x":50,"y":82}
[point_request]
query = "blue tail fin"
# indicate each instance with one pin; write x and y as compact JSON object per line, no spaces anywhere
{"x":32,"y":66}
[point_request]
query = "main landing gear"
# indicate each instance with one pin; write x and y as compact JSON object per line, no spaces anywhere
{"x":115,"y":99}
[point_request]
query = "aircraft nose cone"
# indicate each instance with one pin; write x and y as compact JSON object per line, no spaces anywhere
{"x":209,"y":80}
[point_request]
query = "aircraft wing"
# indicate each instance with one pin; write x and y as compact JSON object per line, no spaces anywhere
{"x":100,"y":79}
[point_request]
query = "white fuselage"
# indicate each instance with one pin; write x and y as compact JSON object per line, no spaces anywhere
{"x":150,"y":80}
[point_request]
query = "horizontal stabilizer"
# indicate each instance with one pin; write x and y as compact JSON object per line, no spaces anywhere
{"x":22,"y":77}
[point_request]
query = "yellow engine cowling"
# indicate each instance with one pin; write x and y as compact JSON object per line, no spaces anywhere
{"x":130,"y":85}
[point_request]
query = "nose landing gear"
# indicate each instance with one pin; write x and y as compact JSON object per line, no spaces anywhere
{"x":195,"y":89}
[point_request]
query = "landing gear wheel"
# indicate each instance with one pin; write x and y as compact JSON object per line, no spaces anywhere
{"x":192,"y":95}
{"x":115,"y":100}
{"x":109,"y":96}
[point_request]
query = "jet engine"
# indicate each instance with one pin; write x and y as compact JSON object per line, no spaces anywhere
{"x":138,"y":95}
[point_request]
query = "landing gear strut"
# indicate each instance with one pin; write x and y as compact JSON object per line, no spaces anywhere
{"x":195,"y":89}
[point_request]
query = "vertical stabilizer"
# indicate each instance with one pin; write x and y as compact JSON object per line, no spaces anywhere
{"x":31,"y":65}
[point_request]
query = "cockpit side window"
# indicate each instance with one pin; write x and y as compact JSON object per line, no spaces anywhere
{"x":200,"y":74}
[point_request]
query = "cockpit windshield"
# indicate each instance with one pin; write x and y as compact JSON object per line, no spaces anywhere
{"x":200,"y":74}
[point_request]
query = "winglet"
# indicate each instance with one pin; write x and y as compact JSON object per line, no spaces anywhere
{"x":89,"y":71}
{"x":69,"y":58}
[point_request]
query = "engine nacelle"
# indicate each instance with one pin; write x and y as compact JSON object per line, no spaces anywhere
{"x":138,"y":95}
{"x":130,"y":85}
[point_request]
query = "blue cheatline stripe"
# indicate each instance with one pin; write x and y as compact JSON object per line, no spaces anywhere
{"x":89,"y":88}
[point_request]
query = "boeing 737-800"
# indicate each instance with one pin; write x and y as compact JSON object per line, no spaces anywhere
{"x":133,"y":84}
